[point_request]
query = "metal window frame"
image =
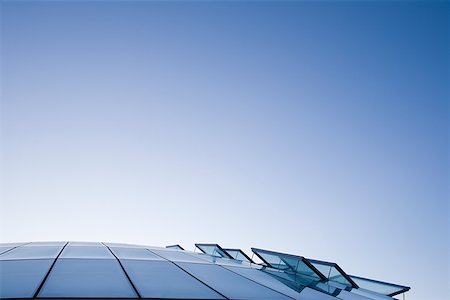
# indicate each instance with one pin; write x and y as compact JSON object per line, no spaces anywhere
{"x":175,"y":246}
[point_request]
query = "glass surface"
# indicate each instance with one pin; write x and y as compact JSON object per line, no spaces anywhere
{"x":212,"y":250}
{"x":32,"y":252}
{"x":162,"y":279}
{"x":265,"y":279}
{"x":123,"y":245}
{"x":289,"y":263}
{"x":310,"y":294}
{"x":222,"y":260}
{"x":87,"y":252}
{"x":329,"y":271}
{"x":21,"y":278}
{"x":87,"y":278}
{"x":384,"y":288}
{"x":48,"y":243}
{"x":3,"y":249}
{"x":237,"y":254}
{"x":134,"y":253}
{"x":98,"y":244}
{"x":228,"y":283}
{"x":178,"y":256}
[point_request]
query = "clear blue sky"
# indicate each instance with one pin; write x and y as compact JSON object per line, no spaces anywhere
{"x":320,"y":129}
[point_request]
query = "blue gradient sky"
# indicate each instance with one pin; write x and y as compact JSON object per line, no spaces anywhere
{"x":320,"y":129}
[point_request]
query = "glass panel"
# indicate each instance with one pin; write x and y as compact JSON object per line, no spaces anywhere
{"x":228,"y":283}
{"x":265,"y":279}
{"x":384,"y":288}
{"x":178,"y":256}
{"x":134,"y":253}
{"x":331,"y":272}
{"x":308,"y":293}
{"x":238,"y":254}
{"x":162,"y":279}
{"x":288,"y":263}
{"x":85,"y":244}
{"x":123,"y":245}
{"x":86,"y":252}
{"x":48,"y":243}
{"x":21,"y":278}
{"x":32,"y":252}
{"x":212,"y":249}
{"x":3,"y":249}
{"x":222,"y":260}
{"x":87,"y":278}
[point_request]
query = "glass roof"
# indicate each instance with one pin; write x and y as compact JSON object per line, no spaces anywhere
{"x":384,"y":288}
{"x":96,"y":270}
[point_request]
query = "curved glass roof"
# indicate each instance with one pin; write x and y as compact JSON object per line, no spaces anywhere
{"x":111,"y":271}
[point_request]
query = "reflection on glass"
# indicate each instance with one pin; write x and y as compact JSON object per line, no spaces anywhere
{"x":86,"y":252}
{"x":162,"y":279}
{"x":87,"y":278}
{"x":21,"y":278}
{"x":230,"y":284}
{"x":32,"y":252}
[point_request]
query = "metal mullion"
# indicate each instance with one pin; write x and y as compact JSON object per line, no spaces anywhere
{"x":48,"y":272}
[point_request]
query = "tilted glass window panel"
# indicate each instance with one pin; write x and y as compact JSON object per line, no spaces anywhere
{"x":21,"y":278}
{"x":213,"y":250}
{"x":163,"y":279}
{"x":228,"y":283}
{"x":265,"y":279}
{"x":134,"y":253}
{"x":87,"y":278}
{"x":32,"y":252}
{"x":238,"y":254}
{"x":333,"y":272}
{"x":289,"y":263}
{"x":98,"y":244}
{"x":178,"y":256}
{"x":385,"y":288}
{"x":93,"y":252}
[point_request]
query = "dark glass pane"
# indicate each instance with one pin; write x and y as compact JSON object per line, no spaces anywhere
{"x":228,"y":283}
{"x":86,"y":252}
{"x":162,"y":279}
{"x":134,"y":253}
{"x":87,"y":278}
{"x":32,"y":252}
{"x":21,"y":278}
